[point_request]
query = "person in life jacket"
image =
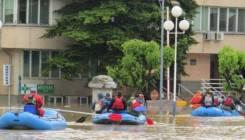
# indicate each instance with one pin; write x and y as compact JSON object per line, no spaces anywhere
{"x":196,"y":100}
{"x":35,"y":100}
{"x":229,"y":103}
{"x":107,"y":101}
{"x":98,"y":106}
{"x":118,"y":103}
{"x":208,"y":100}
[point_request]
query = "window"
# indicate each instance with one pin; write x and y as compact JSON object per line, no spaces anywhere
{"x":26,"y":67}
{"x":219,"y":19}
{"x":241,"y":20}
{"x":204,"y":18}
{"x":35,"y":64}
{"x":26,"y":11}
{"x":193,"y":62}
{"x":22,"y":11}
{"x":232,"y":20}
{"x":44,"y":66}
{"x":44,"y":12}
{"x":33,"y":11}
{"x":213,"y":19}
{"x":8,"y":11}
{"x":196,"y":20}
{"x":222,"y":19}
{"x":55,"y":71}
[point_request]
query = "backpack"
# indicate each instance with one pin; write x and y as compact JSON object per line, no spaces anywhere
{"x":228,"y":101}
{"x":118,"y":103}
{"x":98,"y":106}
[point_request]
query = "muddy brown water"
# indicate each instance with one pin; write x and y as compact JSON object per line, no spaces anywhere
{"x":166,"y":127}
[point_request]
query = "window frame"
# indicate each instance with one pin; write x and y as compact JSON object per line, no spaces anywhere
{"x":40,"y":65}
{"x":16,"y":12}
{"x":202,"y":29}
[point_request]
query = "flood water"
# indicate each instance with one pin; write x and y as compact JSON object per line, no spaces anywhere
{"x":166,"y":127}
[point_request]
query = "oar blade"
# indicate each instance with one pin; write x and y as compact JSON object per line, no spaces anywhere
{"x":81,"y":120}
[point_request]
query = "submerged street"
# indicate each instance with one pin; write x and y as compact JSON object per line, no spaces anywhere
{"x":183,"y":126}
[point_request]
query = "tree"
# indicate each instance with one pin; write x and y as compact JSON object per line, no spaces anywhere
{"x":232,"y":68}
{"x":139,"y":66}
{"x":99,"y":27}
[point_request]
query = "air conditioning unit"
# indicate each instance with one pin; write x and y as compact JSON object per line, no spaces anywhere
{"x":210,"y":36}
{"x":220,"y":36}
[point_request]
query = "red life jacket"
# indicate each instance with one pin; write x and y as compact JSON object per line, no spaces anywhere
{"x":135,"y":104}
{"x":196,"y":99}
{"x":118,"y":103}
{"x":216,"y":102}
{"x":228,"y":101}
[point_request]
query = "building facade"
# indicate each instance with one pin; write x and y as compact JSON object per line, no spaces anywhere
{"x":217,"y":23}
{"x":21,"y":46}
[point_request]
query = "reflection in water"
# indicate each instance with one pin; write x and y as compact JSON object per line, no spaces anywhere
{"x":166,"y":127}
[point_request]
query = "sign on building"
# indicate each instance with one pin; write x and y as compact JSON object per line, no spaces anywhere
{"x":26,"y":88}
{"x":6,"y":74}
{"x":45,"y":88}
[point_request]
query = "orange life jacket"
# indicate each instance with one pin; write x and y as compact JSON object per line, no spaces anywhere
{"x":197,"y":98}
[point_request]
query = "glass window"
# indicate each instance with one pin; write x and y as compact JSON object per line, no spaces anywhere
{"x":232,"y":20}
{"x":204,"y":18}
{"x":222,"y":19}
{"x":9,"y":11}
{"x":44,"y":62}
{"x":22,"y":11}
{"x":33,"y":11}
{"x":241,"y":20}
{"x":55,"y":71}
{"x":213,"y":19}
{"x":196,"y":20}
{"x":44,"y":12}
{"x":35,"y":63}
{"x":26,"y":67}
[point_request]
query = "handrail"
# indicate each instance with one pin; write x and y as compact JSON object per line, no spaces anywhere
{"x":186,"y":89}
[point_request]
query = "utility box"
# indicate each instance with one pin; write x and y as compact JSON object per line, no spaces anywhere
{"x":101,"y":84}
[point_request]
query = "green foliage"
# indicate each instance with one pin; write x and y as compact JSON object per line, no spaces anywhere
{"x":139,"y":63}
{"x":232,"y":68}
{"x":101,"y":27}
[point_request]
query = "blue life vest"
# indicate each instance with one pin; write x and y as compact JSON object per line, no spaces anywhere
{"x":30,"y":108}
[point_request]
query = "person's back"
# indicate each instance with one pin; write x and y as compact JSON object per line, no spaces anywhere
{"x":118,"y":103}
{"x":98,"y":105}
{"x":208,"y":100}
{"x":107,"y":100}
{"x":34,"y":99}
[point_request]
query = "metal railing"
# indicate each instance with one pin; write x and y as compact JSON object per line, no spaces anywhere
{"x":213,"y":85}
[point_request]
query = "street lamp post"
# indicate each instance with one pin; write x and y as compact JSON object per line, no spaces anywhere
{"x":161,"y":54}
{"x":169,"y":25}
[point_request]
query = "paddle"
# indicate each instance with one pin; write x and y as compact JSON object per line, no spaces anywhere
{"x":82,"y":119}
{"x":142,"y":109}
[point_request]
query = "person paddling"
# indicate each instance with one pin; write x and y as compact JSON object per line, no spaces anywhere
{"x":33,"y":103}
{"x":118,"y":104}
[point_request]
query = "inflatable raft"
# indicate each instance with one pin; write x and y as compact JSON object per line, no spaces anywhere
{"x":51,"y":120}
{"x":213,"y":112}
{"x":119,"y":118}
